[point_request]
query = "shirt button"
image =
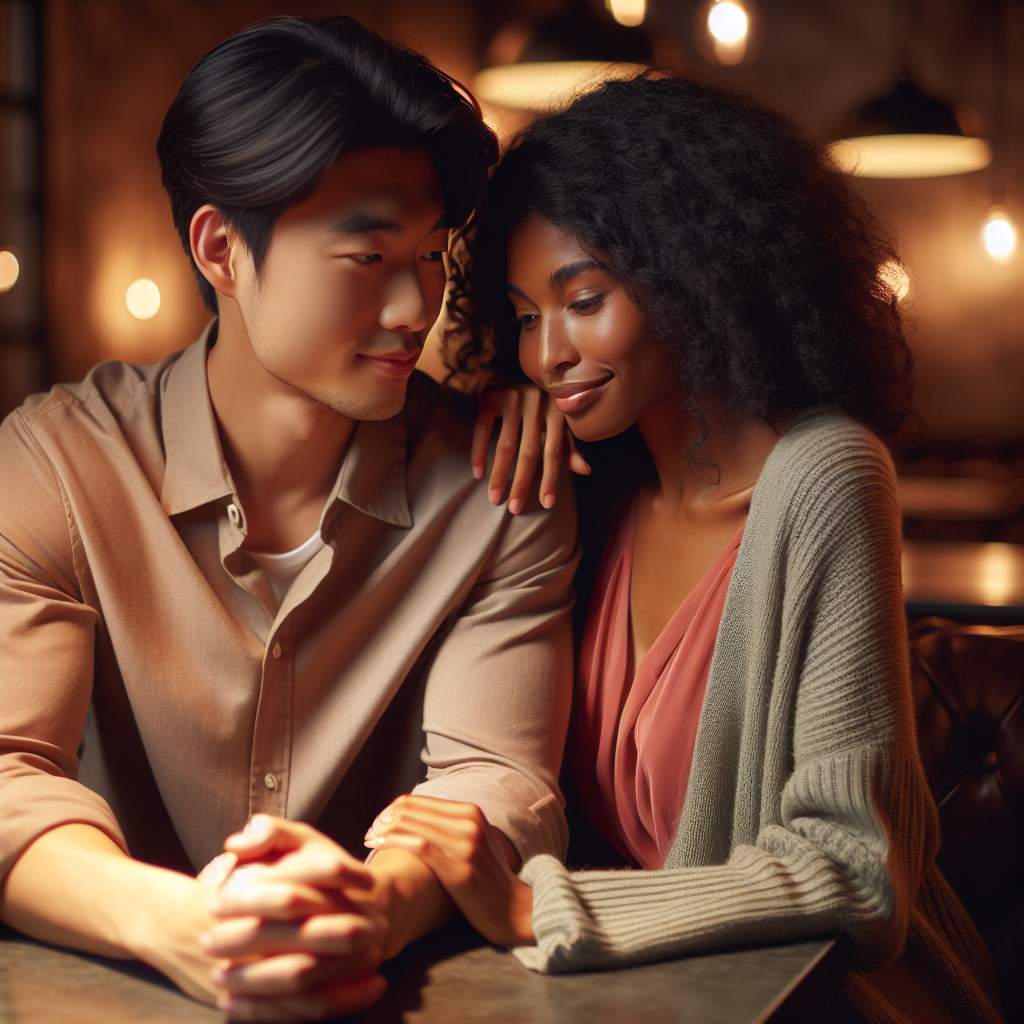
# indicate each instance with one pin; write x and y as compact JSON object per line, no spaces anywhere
{"x":233,"y":514}
{"x":269,"y":781}
{"x":276,"y":651}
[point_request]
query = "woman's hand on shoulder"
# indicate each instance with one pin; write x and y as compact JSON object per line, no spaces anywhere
{"x":470,"y":858}
{"x":544,"y":433}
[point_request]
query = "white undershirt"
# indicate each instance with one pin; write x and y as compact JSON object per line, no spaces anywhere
{"x":282,"y":569}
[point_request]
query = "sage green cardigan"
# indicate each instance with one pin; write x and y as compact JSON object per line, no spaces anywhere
{"x":807,"y":810}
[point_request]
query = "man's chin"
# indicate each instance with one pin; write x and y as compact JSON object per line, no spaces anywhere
{"x":363,"y":406}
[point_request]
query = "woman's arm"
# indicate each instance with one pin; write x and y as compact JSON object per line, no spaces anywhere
{"x":473,"y":861}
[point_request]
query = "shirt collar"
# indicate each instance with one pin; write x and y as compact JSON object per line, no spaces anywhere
{"x":195,"y":471}
{"x":372,"y":474}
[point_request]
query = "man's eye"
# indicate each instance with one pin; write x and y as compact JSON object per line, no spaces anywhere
{"x":367,"y":257}
{"x":437,"y":256}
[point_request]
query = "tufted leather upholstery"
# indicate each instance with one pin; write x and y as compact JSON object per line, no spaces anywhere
{"x":969,"y":700}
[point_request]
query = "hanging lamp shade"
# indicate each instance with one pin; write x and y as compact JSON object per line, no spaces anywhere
{"x":907,"y":135}
{"x":568,"y":55}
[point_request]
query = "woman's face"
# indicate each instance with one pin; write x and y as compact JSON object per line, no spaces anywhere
{"x":581,"y":337}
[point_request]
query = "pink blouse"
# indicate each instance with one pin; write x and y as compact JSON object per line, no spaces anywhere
{"x":634,"y":738}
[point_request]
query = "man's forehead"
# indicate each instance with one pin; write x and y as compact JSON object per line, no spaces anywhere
{"x":381,"y":190}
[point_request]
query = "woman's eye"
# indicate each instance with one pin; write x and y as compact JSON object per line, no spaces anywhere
{"x":588,"y":305}
{"x":526,"y":319}
{"x":437,"y":256}
{"x":366,"y":258}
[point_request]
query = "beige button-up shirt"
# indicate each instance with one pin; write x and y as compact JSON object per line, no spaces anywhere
{"x":150,"y":685}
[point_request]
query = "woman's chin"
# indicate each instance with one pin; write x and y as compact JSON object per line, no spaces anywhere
{"x":587,"y":428}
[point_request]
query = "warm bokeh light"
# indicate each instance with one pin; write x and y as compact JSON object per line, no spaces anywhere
{"x":895,"y":278}
{"x":910,"y":156}
{"x":546,"y":86}
{"x":628,"y":12}
{"x":142,"y":299}
{"x":728,"y":22}
{"x":9,"y":271}
{"x":999,"y":234}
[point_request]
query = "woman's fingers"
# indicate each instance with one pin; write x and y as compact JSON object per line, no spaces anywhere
{"x":555,"y":445}
{"x":529,"y":449}
{"x":239,"y":938}
{"x":490,"y":410}
{"x":575,"y":462}
{"x":511,"y":412}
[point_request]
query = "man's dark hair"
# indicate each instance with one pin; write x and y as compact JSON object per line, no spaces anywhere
{"x":263,"y":115}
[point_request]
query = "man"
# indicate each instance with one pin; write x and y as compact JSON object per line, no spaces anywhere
{"x":247,"y":574}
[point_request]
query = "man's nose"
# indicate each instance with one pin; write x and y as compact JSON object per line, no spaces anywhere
{"x":405,"y":305}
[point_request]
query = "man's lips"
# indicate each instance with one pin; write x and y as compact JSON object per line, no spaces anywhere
{"x":398,"y":364}
{"x":574,"y":396}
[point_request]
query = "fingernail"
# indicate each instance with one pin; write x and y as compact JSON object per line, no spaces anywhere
{"x":548,"y":500}
{"x":478,"y":472}
{"x":385,"y":816}
{"x":374,"y":842}
{"x":494,"y":495}
{"x":515,"y":506}
{"x":260,"y":827}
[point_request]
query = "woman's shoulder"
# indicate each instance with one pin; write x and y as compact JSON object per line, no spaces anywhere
{"x":826,"y":467}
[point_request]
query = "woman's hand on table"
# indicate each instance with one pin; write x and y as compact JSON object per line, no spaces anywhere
{"x":470,"y":858}
{"x":545,"y":433}
{"x":293,"y":938}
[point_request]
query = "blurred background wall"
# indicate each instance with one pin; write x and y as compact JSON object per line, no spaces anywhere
{"x":91,"y":218}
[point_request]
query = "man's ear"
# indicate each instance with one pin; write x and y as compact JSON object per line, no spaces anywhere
{"x":213,"y":244}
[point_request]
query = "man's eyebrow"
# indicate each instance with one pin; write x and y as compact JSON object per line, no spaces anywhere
{"x":564,"y":274}
{"x":364,"y":223}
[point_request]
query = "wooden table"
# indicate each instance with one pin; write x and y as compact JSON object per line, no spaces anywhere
{"x":966,"y":582}
{"x":451,"y":978}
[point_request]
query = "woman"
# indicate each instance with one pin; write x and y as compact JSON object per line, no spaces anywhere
{"x":692,"y":280}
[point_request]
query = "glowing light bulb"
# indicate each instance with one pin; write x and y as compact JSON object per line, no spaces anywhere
{"x":999,"y":234}
{"x":143,"y":299}
{"x":728,"y":22}
{"x":892,"y":274}
{"x":627,"y":12}
{"x":9,"y":271}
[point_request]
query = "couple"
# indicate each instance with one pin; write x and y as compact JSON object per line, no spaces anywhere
{"x":241,"y":590}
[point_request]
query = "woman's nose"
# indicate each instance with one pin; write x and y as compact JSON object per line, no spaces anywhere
{"x":555,"y":349}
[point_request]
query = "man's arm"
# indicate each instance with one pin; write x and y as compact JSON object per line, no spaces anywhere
{"x":74,"y":886}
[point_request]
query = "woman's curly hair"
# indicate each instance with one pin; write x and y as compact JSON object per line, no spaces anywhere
{"x":739,"y":239}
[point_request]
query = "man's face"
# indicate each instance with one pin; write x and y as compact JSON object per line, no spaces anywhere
{"x":352,"y":283}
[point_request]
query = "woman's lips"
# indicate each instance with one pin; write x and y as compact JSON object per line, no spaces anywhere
{"x":572,"y":398}
{"x":397,"y":365}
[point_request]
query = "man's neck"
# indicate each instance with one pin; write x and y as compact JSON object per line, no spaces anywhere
{"x":283,"y":448}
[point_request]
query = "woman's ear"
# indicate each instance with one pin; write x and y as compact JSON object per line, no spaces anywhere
{"x":213,"y":244}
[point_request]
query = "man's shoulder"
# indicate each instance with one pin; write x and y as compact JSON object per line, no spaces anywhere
{"x":438,"y":414}
{"x":113,"y":386}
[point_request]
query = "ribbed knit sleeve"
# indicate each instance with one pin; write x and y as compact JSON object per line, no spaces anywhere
{"x":807,"y":810}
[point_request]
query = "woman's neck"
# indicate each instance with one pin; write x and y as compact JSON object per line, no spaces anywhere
{"x":704,"y":464}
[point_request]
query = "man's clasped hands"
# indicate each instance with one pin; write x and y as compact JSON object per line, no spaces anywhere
{"x":298,"y":927}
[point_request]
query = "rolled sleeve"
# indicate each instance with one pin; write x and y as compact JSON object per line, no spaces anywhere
{"x":47,"y":638}
{"x":499,"y":691}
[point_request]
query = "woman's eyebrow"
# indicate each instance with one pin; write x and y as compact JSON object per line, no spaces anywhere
{"x":565,"y":274}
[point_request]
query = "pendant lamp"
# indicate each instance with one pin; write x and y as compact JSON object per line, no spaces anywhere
{"x":907,"y":134}
{"x":568,"y":55}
